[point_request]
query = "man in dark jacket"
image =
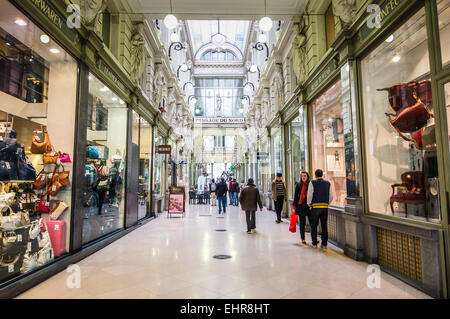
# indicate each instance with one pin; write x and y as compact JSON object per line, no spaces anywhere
{"x":221,"y":192}
{"x":320,"y":195}
{"x":249,"y":200}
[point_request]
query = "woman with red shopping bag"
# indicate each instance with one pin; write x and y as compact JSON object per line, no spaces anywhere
{"x":300,"y":207}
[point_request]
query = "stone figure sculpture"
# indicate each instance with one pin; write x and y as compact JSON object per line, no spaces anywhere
{"x":218,"y":105}
{"x":299,"y":51}
{"x":92,"y":9}
{"x":158,"y":86}
{"x":345,"y":10}
{"x":137,"y":53}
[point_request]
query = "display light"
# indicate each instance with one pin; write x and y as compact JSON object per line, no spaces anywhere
{"x":20,"y":22}
{"x":45,"y":39}
{"x":396,"y":58}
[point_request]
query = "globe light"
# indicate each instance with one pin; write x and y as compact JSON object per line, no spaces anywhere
{"x":390,"y":39}
{"x":265,"y":24}
{"x":189,"y":85}
{"x":241,"y":111}
{"x":243,"y":101}
{"x":253,"y":68}
{"x":262,"y":38}
{"x":197,"y":111}
{"x":247,"y":88}
{"x":184,"y":67}
{"x":45,"y":39}
{"x":170,"y":21}
{"x":174,"y":37}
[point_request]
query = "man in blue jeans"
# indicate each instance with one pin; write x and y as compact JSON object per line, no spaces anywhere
{"x":235,"y":191}
{"x":221,"y":192}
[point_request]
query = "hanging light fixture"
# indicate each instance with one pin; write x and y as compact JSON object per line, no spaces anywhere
{"x":170,"y":21}
{"x":266,"y":23}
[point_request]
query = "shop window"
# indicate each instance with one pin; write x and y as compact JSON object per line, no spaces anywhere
{"x":328,"y":141}
{"x":277,"y":150}
{"x":447,"y":103}
{"x":38,"y":96}
{"x":104,"y":198}
{"x":444,"y":29}
{"x":330,"y":26}
{"x":401,"y":158}
{"x":299,"y":146}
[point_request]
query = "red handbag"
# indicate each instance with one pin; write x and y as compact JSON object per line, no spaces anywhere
{"x":43,"y":206}
{"x":411,"y":119}
{"x":293,"y":226}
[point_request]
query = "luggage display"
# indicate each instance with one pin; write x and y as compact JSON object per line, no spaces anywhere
{"x":57,"y":232}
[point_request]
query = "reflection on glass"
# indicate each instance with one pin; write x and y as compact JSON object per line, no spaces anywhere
{"x":444,"y":29}
{"x":105,"y":163}
{"x":400,"y":137}
{"x":328,"y":141}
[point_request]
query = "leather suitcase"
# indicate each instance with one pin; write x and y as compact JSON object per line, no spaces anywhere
{"x":57,"y":232}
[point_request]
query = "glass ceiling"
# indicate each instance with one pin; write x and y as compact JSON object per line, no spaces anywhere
{"x":201,"y":31}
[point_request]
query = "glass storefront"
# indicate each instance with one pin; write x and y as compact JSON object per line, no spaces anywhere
{"x":104,"y":193}
{"x":401,"y":160}
{"x":444,"y":29}
{"x":277,"y":151}
{"x":142,"y":136}
{"x":299,"y":147}
{"x":447,"y":103}
{"x":327,"y":140}
{"x":38,"y":94}
{"x":158,"y":165}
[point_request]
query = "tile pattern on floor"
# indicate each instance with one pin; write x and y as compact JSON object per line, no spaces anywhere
{"x":172,"y":258}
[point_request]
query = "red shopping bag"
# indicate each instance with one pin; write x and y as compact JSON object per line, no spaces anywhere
{"x":293,"y":226}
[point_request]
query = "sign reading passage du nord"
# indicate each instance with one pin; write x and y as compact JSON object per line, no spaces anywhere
{"x":164,"y":149}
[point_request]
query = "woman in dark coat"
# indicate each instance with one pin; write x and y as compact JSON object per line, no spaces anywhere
{"x":300,"y":207}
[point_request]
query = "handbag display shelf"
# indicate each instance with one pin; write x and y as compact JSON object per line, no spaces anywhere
{"x":415,"y":186}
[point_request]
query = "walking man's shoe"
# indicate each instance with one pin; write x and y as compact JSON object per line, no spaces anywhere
{"x":249,"y":232}
{"x":314,"y":245}
{"x":323,"y":246}
{"x":304,"y":242}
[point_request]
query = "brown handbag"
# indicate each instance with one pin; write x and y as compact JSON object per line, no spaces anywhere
{"x":61,"y":177}
{"x":50,"y":158}
{"x":54,"y":189}
{"x":41,"y":181}
{"x":38,"y":147}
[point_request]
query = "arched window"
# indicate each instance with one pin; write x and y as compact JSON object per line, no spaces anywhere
{"x":218,"y":56}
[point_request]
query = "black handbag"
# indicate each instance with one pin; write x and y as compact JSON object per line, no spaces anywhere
{"x":8,"y":171}
{"x":25,"y":169}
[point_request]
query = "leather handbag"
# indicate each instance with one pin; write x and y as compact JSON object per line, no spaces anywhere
{"x":45,"y":254}
{"x":25,"y":169}
{"x":8,"y":171}
{"x":54,"y":189}
{"x":35,"y":229}
{"x":6,"y":199}
{"x":10,"y":222}
{"x":50,"y":158}
{"x":64,"y":158}
{"x":40,"y":147}
{"x":43,"y":206}
{"x":57,"y":211}
{"x":61,"y":177}
{"x":410,"y":119}
{"x":30,"y":262}
{"x":41,"y":181}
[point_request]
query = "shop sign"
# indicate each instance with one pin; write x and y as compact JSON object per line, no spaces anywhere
{"x":377,"y":15}
{"x":219,"y":120}
{"x":164,"y":149}
{"x":56,"y":18}
{"x":322,"y":77}
{"x":106,"y":70}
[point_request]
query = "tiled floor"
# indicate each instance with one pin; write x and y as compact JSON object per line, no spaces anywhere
{"x":172,"y":258}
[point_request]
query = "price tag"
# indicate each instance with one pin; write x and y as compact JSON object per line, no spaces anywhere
{"x":43,"y":177}
{"x":54,"y":188}
{"x":103,"y":228}
{"x":56,"y":226}
{"x":29,"y":246}
{"x":11,"y":268}
{"x":11,"y":239}
{"x":19,"y":238}
{"x":50,"y":176}
{"x":37,"y":138}
{"x":52,"y":154}
{"x":8,"y":166}
{"x":21,"y":207}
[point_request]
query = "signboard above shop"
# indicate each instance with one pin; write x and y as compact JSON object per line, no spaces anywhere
{"x":219,"y":120}
{"x":164,"y":149}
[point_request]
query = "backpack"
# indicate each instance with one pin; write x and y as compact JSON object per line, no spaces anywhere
{"x":213,"y":187}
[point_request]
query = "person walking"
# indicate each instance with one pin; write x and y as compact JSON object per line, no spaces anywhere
{"x":278,"y":192}
{"x":212,"y":192}
{"x":236,"y":191}
{"x":230,"y":193}
{"x":320,"y":195}
{"x":221,"y":192}
{"x":300,"y":206}
{"x":250,"y":200}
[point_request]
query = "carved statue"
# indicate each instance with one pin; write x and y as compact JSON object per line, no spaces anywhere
{"x":158,"y":86}
{"x":171,"y":105}
{"x":137,"y":52}
{"x":218,"y":105}
{"x":92,"y":9}
{"x":345,"y":10}
{"x":299,"y":51}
